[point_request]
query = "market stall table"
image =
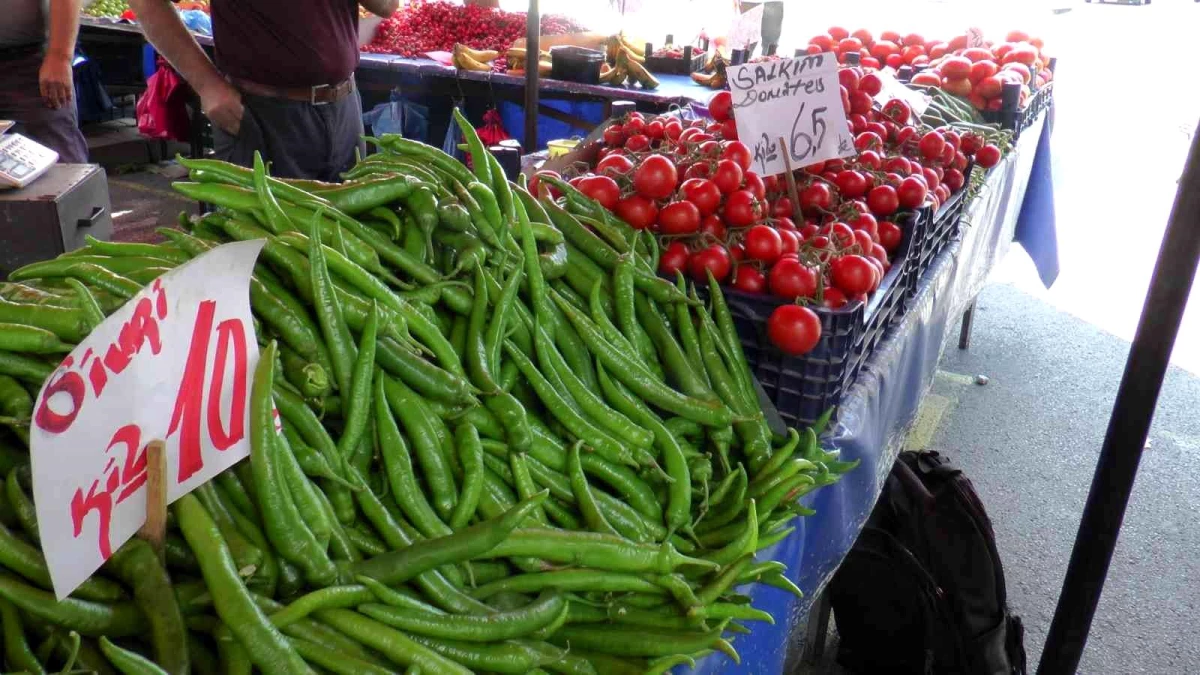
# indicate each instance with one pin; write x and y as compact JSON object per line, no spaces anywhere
{"x":875,"y":414}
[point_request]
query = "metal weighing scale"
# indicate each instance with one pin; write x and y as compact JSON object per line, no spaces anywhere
{"x":46,"y":208}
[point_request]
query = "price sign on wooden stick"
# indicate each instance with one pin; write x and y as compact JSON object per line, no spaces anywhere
{"x":153,"y":403}
{"x":798,"y":99}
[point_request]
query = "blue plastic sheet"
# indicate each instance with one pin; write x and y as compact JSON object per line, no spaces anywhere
{"x":873,"y":419}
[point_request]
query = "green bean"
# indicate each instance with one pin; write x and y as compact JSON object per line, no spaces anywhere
{"x":335,"y":661}
{"x":17,"y":652}
{"x":472,"y":628}
{"x":129,"y":662}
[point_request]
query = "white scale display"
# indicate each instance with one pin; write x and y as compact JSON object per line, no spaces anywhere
{"x":21,"y":159}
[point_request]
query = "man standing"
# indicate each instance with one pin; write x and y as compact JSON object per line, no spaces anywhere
{"x":37,"y":85}
{"x":283,"y":82}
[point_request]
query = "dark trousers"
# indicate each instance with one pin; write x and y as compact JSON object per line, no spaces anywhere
{"x":300,"y":140}
{"x":21,"y":101}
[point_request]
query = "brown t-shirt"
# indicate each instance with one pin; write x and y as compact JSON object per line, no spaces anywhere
{"x":292,"y":43}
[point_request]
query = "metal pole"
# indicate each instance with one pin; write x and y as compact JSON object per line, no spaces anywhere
{"x":533,"y":49}
{"x":1128,"y":426}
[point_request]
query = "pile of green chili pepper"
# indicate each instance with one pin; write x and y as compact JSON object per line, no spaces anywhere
{"x":507,"y":446}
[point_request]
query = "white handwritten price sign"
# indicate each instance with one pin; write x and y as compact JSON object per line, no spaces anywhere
{"x":796,"y":99}
{"x":172,"y":364}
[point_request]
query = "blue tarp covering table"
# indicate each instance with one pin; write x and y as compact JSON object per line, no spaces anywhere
{"x":875,"y":416}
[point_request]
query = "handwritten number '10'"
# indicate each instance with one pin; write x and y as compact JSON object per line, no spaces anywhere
{"x":805,"y":143}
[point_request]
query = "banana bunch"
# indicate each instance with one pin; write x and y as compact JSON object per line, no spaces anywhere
{"x":480,"y":60}
{"x":517,"y":57}
{"x":629,"y":61}
{"x":718,"y":78}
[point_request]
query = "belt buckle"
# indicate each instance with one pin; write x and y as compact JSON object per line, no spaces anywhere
{"x":312,"y":96}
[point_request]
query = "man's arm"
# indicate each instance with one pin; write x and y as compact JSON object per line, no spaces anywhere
{"x":55,"y":79}
{"x":384,"y":8}
{"x":219,"y":100}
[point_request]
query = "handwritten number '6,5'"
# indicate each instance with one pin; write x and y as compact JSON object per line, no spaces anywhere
{"x":807,"y":139}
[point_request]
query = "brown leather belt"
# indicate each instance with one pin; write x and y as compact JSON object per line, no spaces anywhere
{"x":321,"y":94}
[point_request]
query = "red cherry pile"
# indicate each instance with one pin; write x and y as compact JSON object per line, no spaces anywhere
{"x":427,"y":26}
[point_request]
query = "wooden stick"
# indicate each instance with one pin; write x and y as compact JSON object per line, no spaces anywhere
{"x":154,"y":530}
{"x":797,"y":217}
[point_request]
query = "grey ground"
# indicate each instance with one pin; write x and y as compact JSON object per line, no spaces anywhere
{"x":1127,"y":104}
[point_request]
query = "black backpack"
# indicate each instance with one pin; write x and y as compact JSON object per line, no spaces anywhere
{"x":922,"y":590}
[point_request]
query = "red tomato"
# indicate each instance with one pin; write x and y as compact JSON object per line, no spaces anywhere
{"x":971,"y":143}
{"x":614,"y":135}
{"x":728,"y":176}
{"x":698,"y":170}
{"x":849,"y":78}
{"x":790,"y":240}
{"x":638,"y":211}
{"x":890,"y":235}
{"x":894,"y":60}
{"x":833,"y":298}
{"x":742,"y":209}
{"x":795,"y":330}
{"x":882,"y":200}
{"x":931,"y":145}
{"x":954,"y":179}
{"x":863,"y":240}
{"x":713,"y":226}
{"x":852,"y":274}
{"x":838,"y":33}
{"x":754,"y":183}
{"x":729,"y":130}
{"x":655,"y":178}
{"x":673,"y":129}
{"x":681,"y":217}
{"x":715,"y":259}
{"x":783,"y":223}
{"x":988,"y":156}
{"x":839,"y":231}
{"x":911,"y":193}
{"x":871,"y":84}
{"x":861,"y":102}
{"x":763,"y":243}
{"x":990,"y":86}
{"x":781,"y":208}
{"x":637,"y":143}
{"x":703,"y":193}
{"x":720,"y":106}
{"x":870,"y":159}
{"x":905,"y":134}
{"x":614,"y":165}
{"x":851,"y":184}
{"x":738,"y":152}
{"x":747,"y":279}
{"x":674,"y":259}
{"x":867,"y":140}
{"x":635,"y":125}
{"x":815,"y":198}
{"x":955,"y":67}
{"x":601,"y":188}
{"x":981,"y":70}
{"x":655,"y":129}
{"x":791,"y":279}
{"x":867,"y":223}
{"x":880,"y":254}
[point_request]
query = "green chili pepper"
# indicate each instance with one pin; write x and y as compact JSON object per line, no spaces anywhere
{"x":393,"y":644}
{"x":119,"y":619}
{"x":470,"y":453}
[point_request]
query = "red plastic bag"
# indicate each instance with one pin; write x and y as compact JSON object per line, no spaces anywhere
{"x":492,"y":131}
{"x":162,"y":110}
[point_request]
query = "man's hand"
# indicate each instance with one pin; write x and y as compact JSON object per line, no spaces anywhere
{"x":222,"y":103}
{"x":56,"y":81}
